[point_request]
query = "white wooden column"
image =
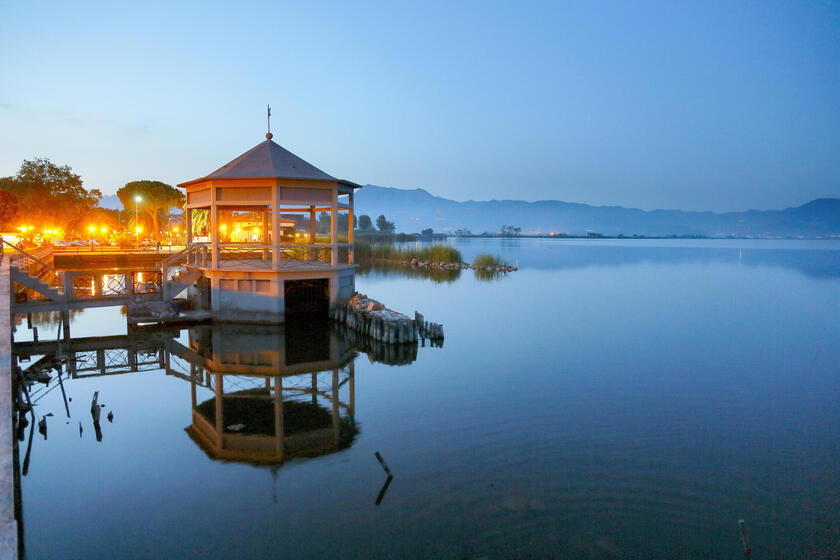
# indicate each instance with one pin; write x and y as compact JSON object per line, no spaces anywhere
{"x":275,"y":225}
{"x":214,"y":236}
{"x":313,"y":232}
{"x":351,"y":250}
{"x":334,"y":228}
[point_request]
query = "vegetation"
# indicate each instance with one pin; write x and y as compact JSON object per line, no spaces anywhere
{"x":52,"y":195}
{"x":156,"y":200}
{"x":364,"y":222}
{"x":485,"y":259}
{"x":341,"y":226}
{"x":387,"y":252}
{"x":8,"y":208}
{"x":384,"y":225}
{"x":436,"y":275}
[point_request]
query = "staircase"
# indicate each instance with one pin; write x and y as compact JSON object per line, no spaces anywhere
{"x":181,"y":277}
{"x":29,"y":269}
{"x":181,"y":280}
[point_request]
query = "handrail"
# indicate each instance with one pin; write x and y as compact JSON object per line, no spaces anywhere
{"x":30,"y":256}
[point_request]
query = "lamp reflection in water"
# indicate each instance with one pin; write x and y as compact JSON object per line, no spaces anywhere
{"x":278,"y":392}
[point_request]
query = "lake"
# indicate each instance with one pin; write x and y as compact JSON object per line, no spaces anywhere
{"x":610,"y":399}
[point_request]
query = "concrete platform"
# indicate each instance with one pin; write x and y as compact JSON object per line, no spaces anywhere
{"x":8,"y":523}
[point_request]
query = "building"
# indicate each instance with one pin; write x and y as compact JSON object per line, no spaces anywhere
{"x":241,"y":242}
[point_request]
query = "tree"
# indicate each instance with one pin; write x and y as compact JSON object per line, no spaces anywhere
{"x":52,"y":195}
{"x":8,"y":208}
{"x":427,"y":234}
{"x":343,"y":221}
{"x":364,"y":222}
{"x":384,"y":225}
{"x":157,"y":199}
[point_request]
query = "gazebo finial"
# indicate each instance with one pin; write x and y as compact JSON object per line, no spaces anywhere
{"x":269,"y":135}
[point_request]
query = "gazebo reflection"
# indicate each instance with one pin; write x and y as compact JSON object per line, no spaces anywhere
{"x":279,"y":392}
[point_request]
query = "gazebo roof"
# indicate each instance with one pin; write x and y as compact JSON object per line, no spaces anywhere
{"x":268,"y":159}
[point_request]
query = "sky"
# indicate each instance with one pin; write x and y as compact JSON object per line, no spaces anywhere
{"x":692,"y":105}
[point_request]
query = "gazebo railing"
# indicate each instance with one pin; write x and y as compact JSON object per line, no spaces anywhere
{"x":261,"y":256}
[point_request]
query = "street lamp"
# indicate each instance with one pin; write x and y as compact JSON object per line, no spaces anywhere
{"x":137,"y":200}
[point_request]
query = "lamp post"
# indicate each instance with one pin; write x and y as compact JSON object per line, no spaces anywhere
{"x":137,"y":200}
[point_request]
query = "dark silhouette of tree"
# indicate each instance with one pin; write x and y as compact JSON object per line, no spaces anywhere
{"x":8,"y":208}
{"x":427,"y":234}
{"x":384,"y":225}
{"x":157,"y":200}
{"x":364,"y":222}
{"x":52,"y":195}
{"x":343,"y":219}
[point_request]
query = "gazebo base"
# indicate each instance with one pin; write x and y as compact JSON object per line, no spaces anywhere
{"x":269,"y":295}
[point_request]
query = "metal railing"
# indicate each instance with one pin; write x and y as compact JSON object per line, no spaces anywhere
{"x":33,"y":263}
{"x":258,"y":255}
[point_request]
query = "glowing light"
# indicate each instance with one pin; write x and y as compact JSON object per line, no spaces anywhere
{"x":138,"y":198}
{"x":92,"y":287}
{"x":92,"y":229}
{"x":257,"y":231}
{"x":238,"y":230}
{"x":176,"y":230}
{"x":104,"y":230}
{"x":139,"y":276}
{"x":138,"y":229}
{"x":223,"y":228}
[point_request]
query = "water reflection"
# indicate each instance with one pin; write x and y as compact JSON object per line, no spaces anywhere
{"x":818,"y":259}
{"x":278,"y":393}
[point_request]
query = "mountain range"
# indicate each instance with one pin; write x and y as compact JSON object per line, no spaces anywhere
{"x":417,"y":209}
{"x":413,"y":210}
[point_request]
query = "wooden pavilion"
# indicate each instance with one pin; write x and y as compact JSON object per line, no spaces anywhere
{"x":271,"y":268}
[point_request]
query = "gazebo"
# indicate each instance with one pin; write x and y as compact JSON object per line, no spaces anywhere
{"x":241,"y":236}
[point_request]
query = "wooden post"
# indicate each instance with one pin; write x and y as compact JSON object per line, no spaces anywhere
{"x":214,"y":231}
{"x":264,"y":237}
{"x":188,"y":225}
{"x":351,"y":251}
{"x":220,"y":426}
{"x":313,"y":232}
{"x":279,"y":431}
{"x":352,"y":385}
{"x":276,"y":195}
{"x":335,"y":423}
{"x":334,"y":228}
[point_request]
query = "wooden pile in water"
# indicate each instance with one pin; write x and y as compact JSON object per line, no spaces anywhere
{"x":371,"y":318}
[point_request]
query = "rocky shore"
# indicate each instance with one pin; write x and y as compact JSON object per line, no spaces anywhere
{"x":371,"y":318}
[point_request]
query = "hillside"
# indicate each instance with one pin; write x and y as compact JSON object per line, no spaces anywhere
{"x":417,"y":209}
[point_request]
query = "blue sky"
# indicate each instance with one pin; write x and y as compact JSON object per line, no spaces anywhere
{"x":705,"y":106}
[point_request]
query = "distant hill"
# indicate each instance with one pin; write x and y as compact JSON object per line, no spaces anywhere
{"x":414,"y":210}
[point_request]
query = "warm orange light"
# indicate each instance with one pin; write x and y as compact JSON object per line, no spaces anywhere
{"x":238,"y":230}
{"x":104,"y":230}
{"x":223,"y":228}
{"x":257,"y":231}
{"x":92,"y":229}
{"x":176,"y":230}
{"x":138,"y":229}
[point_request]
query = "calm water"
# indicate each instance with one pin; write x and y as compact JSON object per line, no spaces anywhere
{"x":625,"y":399}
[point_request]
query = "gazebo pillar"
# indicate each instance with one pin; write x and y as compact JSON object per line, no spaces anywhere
{"x":188,"y":225}
{"x":275,"y":226}
{"x":214,"y":233}
{"x":313,"y":232}
{"x":351,"y":250}
{"x":334,"y":229}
